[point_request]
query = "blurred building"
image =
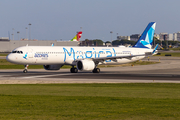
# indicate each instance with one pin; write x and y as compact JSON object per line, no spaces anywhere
{"x":135,"y":37}
{"x":178,"y":36}
{"x":9,"y":45}
{"x":175,"y":36}
{"x":123,"y":38}
{"x":170,"y":37}
{"x":162,"y":36}
{"x":156,"y":36}
{"x":4,"y":39}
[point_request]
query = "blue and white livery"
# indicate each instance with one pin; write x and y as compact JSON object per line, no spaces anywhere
{"x":146,"y":38}
{"x":84,"y":58}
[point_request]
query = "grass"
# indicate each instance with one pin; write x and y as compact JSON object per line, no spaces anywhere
{"x":4,"y":64}
{"x":90,"y":101}
{"x":3,"y":54}
{"x":175,"y":49}
{"x":173,"y":54}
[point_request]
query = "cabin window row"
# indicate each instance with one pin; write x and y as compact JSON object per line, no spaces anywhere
{"x":78,"y":53}
{"x":20,"y":52}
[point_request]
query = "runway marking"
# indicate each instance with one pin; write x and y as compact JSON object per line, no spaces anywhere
{"x":47,"y":75}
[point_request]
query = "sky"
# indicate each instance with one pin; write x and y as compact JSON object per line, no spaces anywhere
{"x":61,"y":19}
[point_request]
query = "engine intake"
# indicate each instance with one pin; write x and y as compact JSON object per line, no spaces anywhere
{"x":85,"y":65}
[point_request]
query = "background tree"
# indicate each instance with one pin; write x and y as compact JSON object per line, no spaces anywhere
{"x":98,"y":42}
{"x":107,"y":42}
{"x":123,"y":42}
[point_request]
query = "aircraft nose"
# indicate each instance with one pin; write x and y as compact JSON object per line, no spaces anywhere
{"x":10,"y":58}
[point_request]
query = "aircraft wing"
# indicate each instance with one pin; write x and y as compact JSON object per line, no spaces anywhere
{"x":115,"y":57}
{"x":101,"y":59}
{"x":125,"y":56}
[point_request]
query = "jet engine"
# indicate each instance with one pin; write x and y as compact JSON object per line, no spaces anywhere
{"x":85,"y":65}
{"x":52,"y":67}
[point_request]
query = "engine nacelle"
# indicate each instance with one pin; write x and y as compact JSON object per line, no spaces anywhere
{"x":85,"y":65}
{"x":52,"y":67}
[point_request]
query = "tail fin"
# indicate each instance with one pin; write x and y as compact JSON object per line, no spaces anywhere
{"x":77,"y":36}
{"x":146,"y":39}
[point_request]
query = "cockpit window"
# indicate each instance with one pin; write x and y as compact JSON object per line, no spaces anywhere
{"x":19,"y":52}
{"x":14,"y":51}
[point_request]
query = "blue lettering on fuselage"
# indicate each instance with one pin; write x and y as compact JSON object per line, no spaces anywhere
{"x":39,"y":55}
{"x":88,"y":54}
{"x":114,"y":52}
{"x":79,"y":54}
{"x":109,"y":55}
{"x":68,"y":53}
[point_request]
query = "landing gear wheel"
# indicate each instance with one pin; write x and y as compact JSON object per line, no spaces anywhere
{"x":25,"y":71}
{"x":74,"y":70}
{"x":96,"y":70}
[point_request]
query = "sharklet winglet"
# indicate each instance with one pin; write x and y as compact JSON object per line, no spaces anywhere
{"x":155,"y":49}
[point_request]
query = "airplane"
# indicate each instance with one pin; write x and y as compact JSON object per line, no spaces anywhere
{"x":83,"y":58}
{"x":77,"y":37}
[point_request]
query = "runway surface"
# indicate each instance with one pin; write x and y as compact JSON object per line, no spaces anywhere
{"x":2,"y":57}
{"x":167,"y":71}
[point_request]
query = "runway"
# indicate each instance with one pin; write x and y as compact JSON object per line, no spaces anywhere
{"x":167,"y":71}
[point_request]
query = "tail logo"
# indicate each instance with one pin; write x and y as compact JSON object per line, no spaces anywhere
{"x":146,"y":39}
{"x":77,"y":36}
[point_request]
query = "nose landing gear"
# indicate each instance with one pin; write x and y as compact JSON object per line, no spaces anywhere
{"x":25,"y":69}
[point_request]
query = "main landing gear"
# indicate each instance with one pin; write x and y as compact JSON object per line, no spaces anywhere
{"x":73,"y":70}
{"x":25,"y":69}
{"x":96,"y":70}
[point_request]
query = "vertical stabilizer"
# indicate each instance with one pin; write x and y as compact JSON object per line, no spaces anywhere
{"x":146,"y":39}
{"x":77,"y":36}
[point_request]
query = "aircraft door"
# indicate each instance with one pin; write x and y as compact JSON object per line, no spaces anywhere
{"x":30,"y":53}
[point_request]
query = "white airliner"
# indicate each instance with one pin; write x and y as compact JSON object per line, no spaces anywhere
{"x":84,"y":58}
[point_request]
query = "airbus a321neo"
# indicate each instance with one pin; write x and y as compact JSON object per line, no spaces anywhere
{"x":83,"y":58}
